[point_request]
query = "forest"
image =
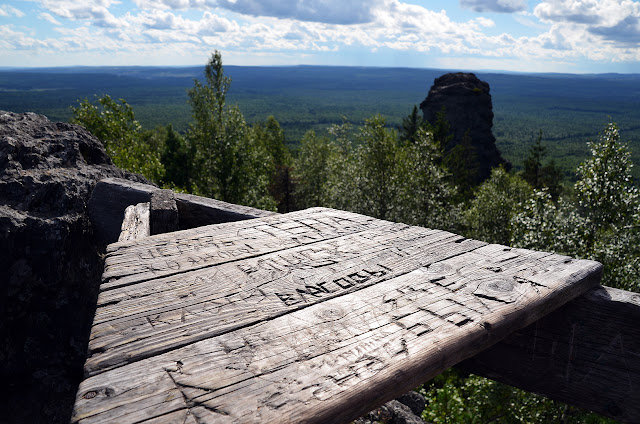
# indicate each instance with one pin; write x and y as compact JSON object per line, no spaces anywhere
{"x":568,"y":109}
{"x":571,"y":192}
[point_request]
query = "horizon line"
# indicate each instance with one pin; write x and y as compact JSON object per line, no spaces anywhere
{"x":492,"y":71}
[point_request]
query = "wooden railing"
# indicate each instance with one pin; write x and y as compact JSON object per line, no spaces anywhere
{"x":586,"y":353}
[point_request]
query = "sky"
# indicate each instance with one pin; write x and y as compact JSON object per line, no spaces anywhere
{"x":573,"y":36}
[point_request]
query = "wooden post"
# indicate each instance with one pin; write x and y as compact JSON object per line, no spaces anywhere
{"x":587,"y":353}
{"x":135,"y":224}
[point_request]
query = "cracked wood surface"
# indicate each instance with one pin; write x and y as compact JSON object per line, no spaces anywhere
{"x":314,"y":316}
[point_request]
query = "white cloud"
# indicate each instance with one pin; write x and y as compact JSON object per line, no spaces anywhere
{"x":616,"y":21}
{"x":501,"y":6}
{"x":157,"y":27}
{"x":18,"y":40}
{"x":8,"y":10}
{"x":96,"y":11}
{"x":49,"y":18}
{"x":344,"y":12}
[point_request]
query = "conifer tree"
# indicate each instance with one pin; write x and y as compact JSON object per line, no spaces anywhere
{"x":231,"y":165}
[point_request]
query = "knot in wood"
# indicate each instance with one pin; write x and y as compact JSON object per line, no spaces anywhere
{"x":501,"y":286}
{"x":331,"y":313}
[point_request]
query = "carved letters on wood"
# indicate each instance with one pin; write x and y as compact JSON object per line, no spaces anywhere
{"x":313,"y":316}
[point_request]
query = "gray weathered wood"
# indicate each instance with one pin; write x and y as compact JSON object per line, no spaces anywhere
{"x":324,"y":316}
{"x":109,"y":199}
{"x":175,"y":253}
{"x":586,"y":353}
{"x":163,"y":215}
{"x":112,"y":196}
{"x":196,"y":211}
{"x":135,"y":224}
{"x":173,"y":311}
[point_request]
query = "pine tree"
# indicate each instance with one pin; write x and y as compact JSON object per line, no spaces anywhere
{"x":231,"y":165}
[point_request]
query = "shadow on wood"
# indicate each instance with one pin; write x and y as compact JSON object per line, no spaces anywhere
{"x":112,"y":196}
{"x":587,"y":353}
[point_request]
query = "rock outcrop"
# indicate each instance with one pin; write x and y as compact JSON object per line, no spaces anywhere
{"x":468,"y":109}
{"x":404,"y":410}
{"x":50,"y":265}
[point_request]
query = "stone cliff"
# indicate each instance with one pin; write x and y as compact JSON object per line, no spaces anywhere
{"x":50,"y":265}
{"x":468,"y":109}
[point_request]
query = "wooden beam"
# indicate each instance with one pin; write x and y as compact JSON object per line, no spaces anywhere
{"x":135,"y":224}
{"x":196,"y":211}
{"x":112,"y":196}
{"x":109,"y":199}
{"x":587,"y":353}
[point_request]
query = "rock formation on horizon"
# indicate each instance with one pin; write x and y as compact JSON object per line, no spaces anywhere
{"x":468,"y":109}
{"x":50,"y":265}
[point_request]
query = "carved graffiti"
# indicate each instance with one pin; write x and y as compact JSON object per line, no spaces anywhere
{"x":307,"y":292}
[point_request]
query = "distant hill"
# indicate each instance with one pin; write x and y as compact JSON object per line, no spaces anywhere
{"x":569,"y":109}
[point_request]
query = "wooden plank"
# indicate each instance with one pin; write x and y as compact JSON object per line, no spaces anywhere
{"x":109,"y":199}
{"x":587,"y":353}
{"x":196,"y":211}
{"x":135,"y":224}
{"x":154,"y":316}
{"x":315,"y":325}
{"x":173,"y":253}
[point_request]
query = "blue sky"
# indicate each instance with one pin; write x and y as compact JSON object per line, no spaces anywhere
{"x":576,"y":36}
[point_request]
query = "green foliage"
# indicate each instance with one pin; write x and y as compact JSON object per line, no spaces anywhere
{"x":375,"y":173}
{"x":425,"y":195}
{"x":611,"y":206}
{"x":457,"y":398}
{"x":410,"y":126}
{"x":441,"y":129}
{"x":342,"y":185}
{"x":313,"y":170}
{"x":496,"y":202}
{"x":377,"y":159}
{"x":603,"y":225}
{"x":604,"y":188}
{"x":127,"y":144}
{"x":539,"y":175}
{"x":463,"y":166}
{"x":231,"y":165}
{"x":177,"y":158}
{"x":271,"y":137}
{"x":543,"y":224}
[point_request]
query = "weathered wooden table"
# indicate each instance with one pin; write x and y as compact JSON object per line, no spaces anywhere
{"x":313,"y":316}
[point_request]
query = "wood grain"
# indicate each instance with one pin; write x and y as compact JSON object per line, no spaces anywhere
{"x":174,"y":253}
{"x":136,"y":222}
{"x":157,"y":315}
{"x":328,"y":315}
